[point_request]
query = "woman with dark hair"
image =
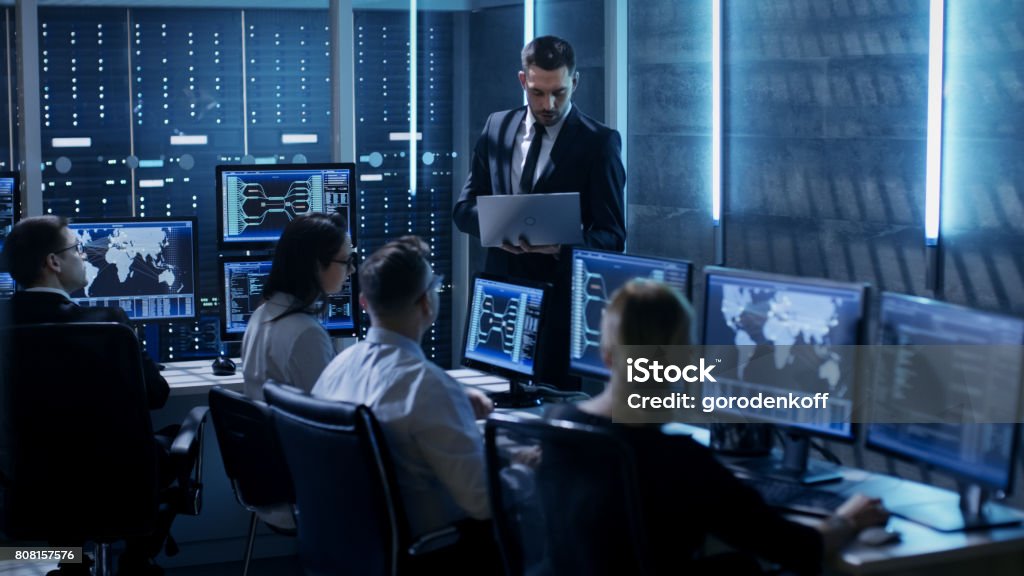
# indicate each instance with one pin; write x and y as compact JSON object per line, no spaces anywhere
{"x":284,"y":341}
{"x":682,"y":486}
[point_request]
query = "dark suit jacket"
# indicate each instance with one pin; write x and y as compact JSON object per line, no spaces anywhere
{"x":47,"y":307}
{"x":586,"y":158}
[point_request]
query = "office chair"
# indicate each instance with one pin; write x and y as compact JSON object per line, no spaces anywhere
{"x":252,"y":457}
{"x":83,"y":461}
{"x":349,"y":512}
{"x":564,"y":498}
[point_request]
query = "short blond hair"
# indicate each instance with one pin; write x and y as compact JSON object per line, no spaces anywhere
{"x":647,"y":313}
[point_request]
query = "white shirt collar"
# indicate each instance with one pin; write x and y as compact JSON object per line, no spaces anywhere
{"x":49,"y":290}
{"x":553,"y":130}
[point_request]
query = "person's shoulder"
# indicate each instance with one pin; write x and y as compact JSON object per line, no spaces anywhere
{"x":592,"y":124}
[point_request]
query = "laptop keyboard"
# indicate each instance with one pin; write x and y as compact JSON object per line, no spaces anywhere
{"x":796,"y":497}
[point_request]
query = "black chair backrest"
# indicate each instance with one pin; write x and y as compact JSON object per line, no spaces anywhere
{"x":564,"y":498}
{"x":348,"y":514}
{"x":250,"y":449}
{"x":83,"y":461}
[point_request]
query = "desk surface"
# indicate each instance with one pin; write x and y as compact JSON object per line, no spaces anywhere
{"x":920,"y":546}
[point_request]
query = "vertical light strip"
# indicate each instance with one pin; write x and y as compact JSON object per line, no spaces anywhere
{"x":716,"y":111}
{"x":413,"y":101}
{"x":245,"y":95}
{"x":131,"y":104}
{"x":10,"y":88}
{"x":933,"y":180}
{"x":528,"y":30}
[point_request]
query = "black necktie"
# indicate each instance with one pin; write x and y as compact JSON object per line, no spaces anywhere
{"x":530,"y":167}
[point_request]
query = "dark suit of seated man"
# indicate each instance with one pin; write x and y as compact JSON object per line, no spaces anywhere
{"x":45,"y":259}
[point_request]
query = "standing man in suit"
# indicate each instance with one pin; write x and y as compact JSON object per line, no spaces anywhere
{"x":544,"y":147}
{"x":46,"y":260}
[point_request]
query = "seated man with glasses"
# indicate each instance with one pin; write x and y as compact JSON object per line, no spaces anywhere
{"x":46,"y":259}
{"x":428,"y":418}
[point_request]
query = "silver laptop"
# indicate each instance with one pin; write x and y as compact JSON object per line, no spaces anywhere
{"x":540,"y":218}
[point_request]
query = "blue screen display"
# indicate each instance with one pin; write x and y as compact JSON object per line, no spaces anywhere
{"x":595,"y":277}
{"x":257,"y":204}
{"x":982,"y":452}
{"x":765,"y":317}
{"x":503,"y":323}
{"x":145,"y":267}
{"x":243,"y":293}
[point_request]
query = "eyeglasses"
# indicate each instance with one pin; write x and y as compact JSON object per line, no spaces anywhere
{"x":436,"y":284}
{"x":78,"y":246}
{"x":351,"y":263}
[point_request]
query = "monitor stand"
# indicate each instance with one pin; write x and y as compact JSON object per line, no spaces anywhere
{"x":517,"y":396}
{"x":795,"y":465}
{"x":974,"y":512}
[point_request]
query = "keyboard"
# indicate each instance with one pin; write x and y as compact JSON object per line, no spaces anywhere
{"x":796,"y":497}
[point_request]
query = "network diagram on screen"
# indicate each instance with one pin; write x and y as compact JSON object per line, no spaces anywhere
{"x":503,"y":325}
{"x":258,"y":204}
{"x":595,"y":277}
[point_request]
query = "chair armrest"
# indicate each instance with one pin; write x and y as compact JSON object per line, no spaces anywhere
{"x":187,"y":454}
{"x":191,"y":429}
{"x":433,"y":541}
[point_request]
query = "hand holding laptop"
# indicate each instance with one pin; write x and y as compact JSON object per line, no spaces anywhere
{"x":524,"y":247}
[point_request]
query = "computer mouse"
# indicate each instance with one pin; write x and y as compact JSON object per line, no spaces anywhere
{"x":223,"y":366}
{"x":878,"y":536}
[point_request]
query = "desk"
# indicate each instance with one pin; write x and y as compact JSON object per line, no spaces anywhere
{"x":921,"y":550}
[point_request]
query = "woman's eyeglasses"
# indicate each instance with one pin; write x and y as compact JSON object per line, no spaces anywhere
{"x":350,"y":263}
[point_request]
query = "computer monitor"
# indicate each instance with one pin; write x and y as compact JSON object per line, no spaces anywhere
{"x":241,"y":282}
{"x":788,"y":334}
{"x":7,"y":286}
{"x":596,"y":275}
{"x":502,"y":329}
{"x":979,"y":364}
{"x":255,"y":202}
{"x":10,"y":204}
{"x":145,"y":266}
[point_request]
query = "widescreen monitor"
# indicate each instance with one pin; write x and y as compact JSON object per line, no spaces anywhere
{"x":978,"y":365}
{"x":146,"y":266}
{"x":255,"y":202}
{"x":10,"y":204}
{"x":242,"y":280}
{"x":596,"y":275}
{"x":502,"y":330}
{"x":788,"y":334}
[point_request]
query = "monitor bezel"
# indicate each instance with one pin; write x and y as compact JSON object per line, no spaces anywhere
{"x":195,"y":257}
{"x":228,"y":337}
{"x":688,"y":294}
{"x":861,"y":334}
{"x":225,"y":246}
{"x":906,"y":457}
{"x":546,"y":290}
{"x":16,"y":205}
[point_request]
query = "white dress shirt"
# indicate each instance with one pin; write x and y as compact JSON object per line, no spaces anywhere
{"x":524,"y":137}
{"x":428,"y":422}
{"x":293,"y":350}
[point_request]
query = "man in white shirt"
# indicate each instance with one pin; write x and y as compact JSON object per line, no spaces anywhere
{"x":428,"y":418}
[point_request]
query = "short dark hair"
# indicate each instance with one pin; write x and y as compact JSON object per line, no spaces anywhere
{"x":549,"y":53}
{"x":392,"y":277}
{"x":307,"y":243}
{"x":648,"y":313}
{"x":28,"y":245}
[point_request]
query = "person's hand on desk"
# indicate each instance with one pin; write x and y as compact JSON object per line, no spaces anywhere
{"x":857,"y":513}
{"x":481,"y":403}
